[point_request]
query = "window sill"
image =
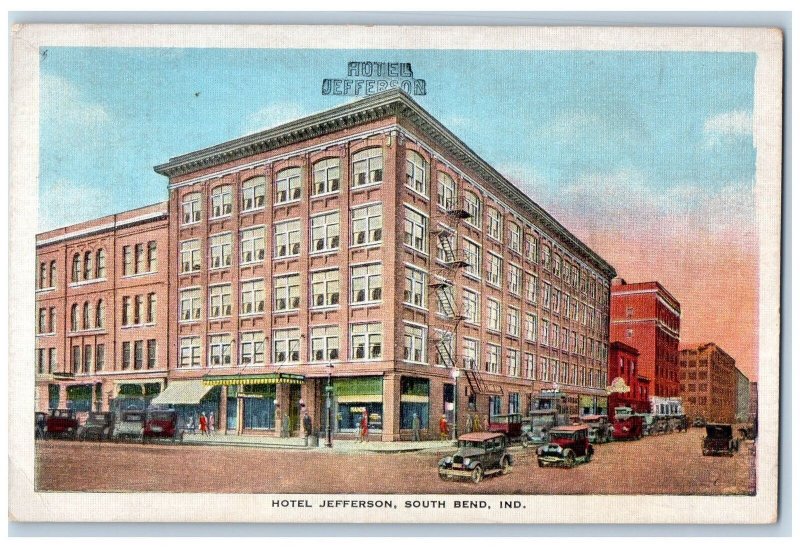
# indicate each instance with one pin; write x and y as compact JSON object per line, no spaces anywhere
{"x":251,"y":315}
{"x":45,"y":290}
{"x":221,"y":217}
{"x":416,"y":307}
{"x":93,"y":331}
{"x":417,"y":192}
{"x":324,"y":308}
{"x":219,"y":268}
{"x":471,"y":276}
{"x":48,"y":334}
{"x":366,"y":245}
{"x":137,"y":325}
{"x":89,"y":282}
{"x":253,"y":210}
{"x":365,"y":304}
{"x":189,"y":272}
{"x":139,"y":275}
{"x":367,"y":186}
{"x":193,"y":223}
{"x":253,"y":263}
{"x":215,"y":318}
{"x":413,"y":362}
{"x":321,"y":252}
{"x":189,"y":322}
{"x":283,"y":257}
{"x":325,"y":194}
{"x":286,"y":203}
{"x":415,"y":250}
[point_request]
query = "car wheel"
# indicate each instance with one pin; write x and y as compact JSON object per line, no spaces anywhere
{"x":477,"y":474}
{"x":505,"y":465}
{"x":540,"y":462}
{"x":569,"y":458}
{"x":589,"y":456}
{"x":442,"y":475}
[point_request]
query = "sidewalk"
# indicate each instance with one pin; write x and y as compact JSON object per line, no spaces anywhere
{"x":299,"y":444}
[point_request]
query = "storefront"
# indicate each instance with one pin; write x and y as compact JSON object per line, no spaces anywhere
{"x":353,"y":395}
{"x":414,"y":399}
{"x":593,"y":405}
{"x":79,"y":397}
{"x":191,"y":399}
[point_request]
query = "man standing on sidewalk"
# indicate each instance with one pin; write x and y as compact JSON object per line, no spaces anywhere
{"x":415,"y":427}
{"x":307,"y":425}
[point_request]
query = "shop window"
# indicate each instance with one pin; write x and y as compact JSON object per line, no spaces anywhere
{"x":414,"y":398}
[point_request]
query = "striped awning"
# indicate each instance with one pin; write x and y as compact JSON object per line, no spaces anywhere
{"x":188,"y":392}
{"x":269,"y":378}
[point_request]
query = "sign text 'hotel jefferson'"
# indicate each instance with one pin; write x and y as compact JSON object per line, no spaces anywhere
{"x":367,"y":244}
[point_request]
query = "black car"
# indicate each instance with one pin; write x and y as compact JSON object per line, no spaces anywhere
{"x":479,"y":454}
{"x":99,"y":426}
{"x":719,"y":440}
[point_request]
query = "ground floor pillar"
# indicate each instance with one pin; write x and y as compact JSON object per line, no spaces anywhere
{"x":391,"y":407}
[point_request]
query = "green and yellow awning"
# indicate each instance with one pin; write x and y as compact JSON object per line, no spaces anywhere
{"x":268,"y":378}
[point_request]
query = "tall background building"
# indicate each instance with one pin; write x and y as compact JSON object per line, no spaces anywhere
{"x":648,"y":318}
{"x":710,"y":383}
{"x":368,"y":248}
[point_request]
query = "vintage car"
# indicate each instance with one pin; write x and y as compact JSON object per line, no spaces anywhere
{"x":128,"y":425}
{"x":39,"y":425}
{"x":699,"y":422}
{"x":568,"y":446}
{"x":62,"y":423}
{"x":542,"y":420}
{"x":510,"y":425}
{"x":600,"y":430}
{"x":161,"y":424}
{"x":628,"y":427}
{"x":719,"y":440}
{"x":479,"y":454}
{"x":98,"y":426}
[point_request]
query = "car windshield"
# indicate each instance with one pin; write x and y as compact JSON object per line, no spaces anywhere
{"x":94,"y":417}
{"x":471,"y":444}
{"x":132,"y":417}
{"x":562,"y":435}
{"x":160,"y":416}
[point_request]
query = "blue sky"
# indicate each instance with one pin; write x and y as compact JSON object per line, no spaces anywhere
{"x":668,"y":124}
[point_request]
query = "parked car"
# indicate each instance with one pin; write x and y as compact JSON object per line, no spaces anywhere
{"x":719,"y":440}
{"x":600,"y":430}
{"x":699,"y":422}
{"x":98,"y":426}
{"x":479,"y":454}
{"x":568,"y":446}
{"x":40,"y":425}
{"x":628,"y":427}
{"x":748,"y":432}
{"x":161,"y":424}
{"x":510,"y":425}
{"x":129,"y":425}
{"x":62,"y":423}
{"x":542,"y":420}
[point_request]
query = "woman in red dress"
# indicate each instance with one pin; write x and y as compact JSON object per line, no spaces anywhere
{"x":203,"y":424}
{"x":363,"y":431}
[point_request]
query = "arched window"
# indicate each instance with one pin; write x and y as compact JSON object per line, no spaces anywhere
{"x":52,"y":273}
{"x":253,"y":192}
{"x":86,"y":316}
{"x":368,"y":167}
{"x":88,"y":271}
{"x":100,"y":314}
{"x":73,"y":318}
{"x":416,"y":173}
{"x":473,"y":205}
{"x":287,"y":185}
{"x":221,"y":201}
{"x":76,"y":267}
{"x":100,"y":263}
{"x":191,"y":208}
{"x":42,"y":275}
{"x":447,"y":191}
{"x":326,"y":176}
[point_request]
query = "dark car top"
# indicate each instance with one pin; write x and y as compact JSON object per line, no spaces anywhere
{"x":719,"y":431}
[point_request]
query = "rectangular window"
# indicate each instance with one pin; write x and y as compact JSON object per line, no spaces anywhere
{"x":52,"y":364}
{"x":99,"y":357}
{"x":253,"y":296}
{"x":556,"y":302}
{"x":286,"y":346}
{"x":140,"y":258}
{"x":287,"y":239}
{"x":190,"y":352}
{"x":514,"y":237}
{"x":414,"y":338}
{"x":415,"y":232}
{"x":472,"y":307}
{"x":51,"y":324}
{"x":138,"y":309}
{"x":512,"y":364}
{"x":495,"y":228}
{"x":366,"y":341}
{"x":152,"y":256}
{"x":325,"y":343}
{"x":251,"y":348}
{"x":473,"y":207}
{"x":151,"y":308}
{"x":152,"y":353}
{"x":325,"y":232}
{"x":368,"y":167}
{"x":564,"y":339}
{"x":366,"y":283}
{"x":512,"y":327}
{"x":87,"y":358}
{"x":221,"y":201}
{"x":471,"y":353}
{"x":325,"y":288}
{"x":446,"y":196}
{"x":416,"y":173}
{"x":554,"y":334}
{"x":286,"y":293}
{"x":127,"y":261}
{"x":40,"y":354}
{"x":190,"y":256}
{"x":42,"y":325}
{"x":492,"y":358}
{"x":473,"y":256}
{"x":219,"y":301}
{"x":493,"y":311}
{"x":546,"y":292}
{"x":191,"y":208}
{"x":219,"y":350}
{"x":367,"y":225}
{"x":530,"y":366}
{"x":138,"y":354}
{"x":253,"y":193}
{"x":220,"y":250}
{"x":326,"y":177}
{"x":287,"y":185}
{"x":545,"y":334}
{"x":190,"y":304}
{"x":252,"y":245}
{"x":514,"y":279}
{"x":532,"y":248}
{"x":494,"y":270}
{"x":531,"y":287}
{"x":415,"y":288}
{"x":76,"y":358}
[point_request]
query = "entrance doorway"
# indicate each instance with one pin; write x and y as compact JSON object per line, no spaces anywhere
{"x":294,"y":407}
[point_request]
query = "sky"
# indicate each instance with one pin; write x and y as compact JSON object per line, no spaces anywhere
{"x":648,"y":157}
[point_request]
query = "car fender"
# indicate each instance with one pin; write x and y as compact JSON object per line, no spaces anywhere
{"x":509,"y":457}
{"x":472,"y":464}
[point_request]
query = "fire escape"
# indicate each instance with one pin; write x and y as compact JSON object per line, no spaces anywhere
{"x":453,"y":259}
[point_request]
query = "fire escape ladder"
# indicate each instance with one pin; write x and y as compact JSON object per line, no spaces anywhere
{"x":474,"y":377}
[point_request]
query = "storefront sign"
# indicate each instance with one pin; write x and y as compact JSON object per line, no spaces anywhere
{"x":269,"y":378}
{"x":618,"y":386}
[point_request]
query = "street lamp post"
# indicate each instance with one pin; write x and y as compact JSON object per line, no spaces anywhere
{"x":456,"y":374}
{"x":328,"y":426}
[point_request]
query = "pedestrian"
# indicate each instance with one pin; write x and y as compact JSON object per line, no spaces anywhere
{"x":486,"y":423}
{"x":203,"y":423}
{"x":415,"y":427}
{"x":468,"y":424}
{"x":278,"y":417}
{"x":476,"y":423}
{"x":363,"y":431}
{"x":444,"y":431}
{"x":307,"y":425}
{"x":211,"y":423}
{"x":190,"y":426}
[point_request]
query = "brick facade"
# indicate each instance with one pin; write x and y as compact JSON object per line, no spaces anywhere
{"x":709,"y":383}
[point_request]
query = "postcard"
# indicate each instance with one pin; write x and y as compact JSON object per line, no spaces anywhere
{"x":395,"y":274}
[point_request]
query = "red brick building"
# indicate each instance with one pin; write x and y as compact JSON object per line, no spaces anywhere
{"x":627,"y":386}
{"x":368,"y":245}
{"x":101,"y":309}
{"x":647,"y":317}
{"x":709,"y":383}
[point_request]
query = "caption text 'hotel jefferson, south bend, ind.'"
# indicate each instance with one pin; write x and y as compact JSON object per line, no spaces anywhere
{"x":365,"y":246}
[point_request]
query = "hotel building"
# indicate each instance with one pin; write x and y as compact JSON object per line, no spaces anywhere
{"x":369,"y":249}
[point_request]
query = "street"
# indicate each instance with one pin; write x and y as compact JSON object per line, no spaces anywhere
{"x":667,"y":464}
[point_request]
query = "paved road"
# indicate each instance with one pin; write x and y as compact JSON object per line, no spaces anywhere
{"x":669,"y":464}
